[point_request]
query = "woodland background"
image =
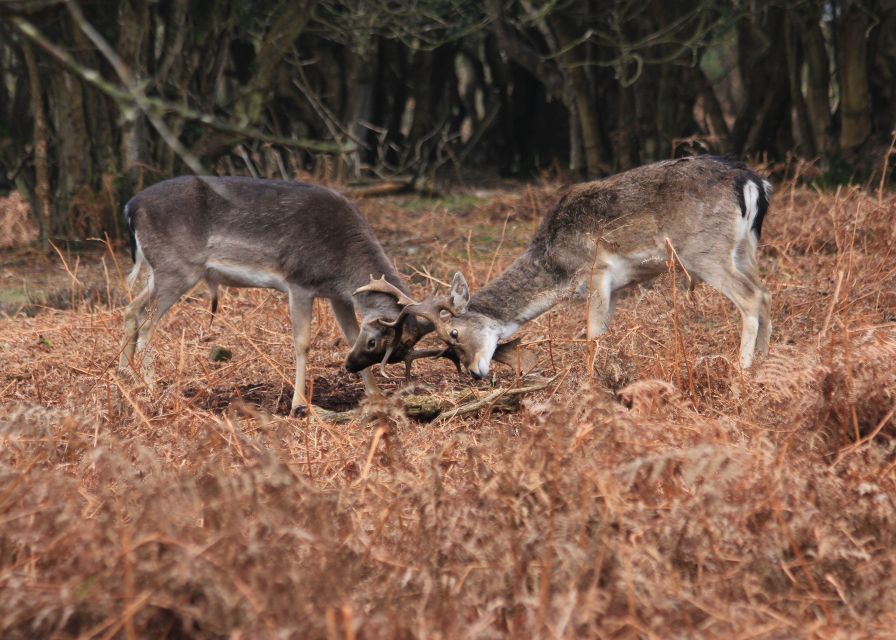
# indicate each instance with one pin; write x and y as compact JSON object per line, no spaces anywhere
{"x":99,"y":98}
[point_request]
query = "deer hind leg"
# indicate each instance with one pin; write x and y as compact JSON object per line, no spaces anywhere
{"x":764,"y":334}
{"x":345,"y":316}
{"x":601,"y":303}
{"x":745,"y":291}
{"x":301,"y":307}
{"x":167,"y":289}
{"x":142,"y":316}
{"x":134,"y":316}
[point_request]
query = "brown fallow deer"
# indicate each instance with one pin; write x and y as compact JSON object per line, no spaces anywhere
{"x":606,"y":235}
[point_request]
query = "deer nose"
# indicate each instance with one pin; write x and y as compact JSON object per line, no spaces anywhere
{"x":476,"y":374}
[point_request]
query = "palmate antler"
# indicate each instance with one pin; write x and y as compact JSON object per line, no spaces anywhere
{"x":382,"y":286}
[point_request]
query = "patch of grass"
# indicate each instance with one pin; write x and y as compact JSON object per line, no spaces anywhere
{"x":454,"y":203}
{"x":20,"y":299}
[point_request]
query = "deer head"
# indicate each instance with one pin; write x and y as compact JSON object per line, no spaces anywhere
{"x":472,"y":337}
{"x":386,"y":341}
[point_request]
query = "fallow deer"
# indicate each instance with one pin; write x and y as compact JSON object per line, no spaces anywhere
{"x":605,"y":235}
{"x":304,"y":240}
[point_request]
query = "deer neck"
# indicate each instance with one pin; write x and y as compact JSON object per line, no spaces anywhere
{"x":523,"y":292}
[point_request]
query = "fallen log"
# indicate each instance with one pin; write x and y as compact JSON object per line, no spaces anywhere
{"x":441,"y":409}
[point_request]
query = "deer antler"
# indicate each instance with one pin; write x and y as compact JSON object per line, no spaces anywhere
{"x":382,"y":286}
{"x":446,"y":352}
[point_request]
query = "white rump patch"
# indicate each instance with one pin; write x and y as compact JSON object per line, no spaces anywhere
{"x":138,"y":263}
{"x":751,"y":201}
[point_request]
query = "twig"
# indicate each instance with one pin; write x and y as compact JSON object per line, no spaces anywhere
{"x":475,"y":405}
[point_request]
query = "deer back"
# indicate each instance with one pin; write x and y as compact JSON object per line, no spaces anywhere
{"x":698,"y":204}
{"x":299,"y":233}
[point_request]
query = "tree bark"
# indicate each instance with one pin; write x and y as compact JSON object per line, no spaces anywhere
{"x":764,"y":112}
{"x":818,"y":106}
{"x":597,"y":154}
{"x":805,"y":137}
{"x":359,"y":90}
{"x":132,"y":47}
{"x":547,"y":73}
{"x":507,"y":147}
{"x":713,"y":109}
{"x":42,"y":185}
{"x":855,"y":107}
{"x":628,"y":151}
{"x":389,"y":102}
{"x":277,"y":42}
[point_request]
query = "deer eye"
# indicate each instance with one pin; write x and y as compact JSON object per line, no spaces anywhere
{"x":453,"y":334}
{"x":371,"y":343}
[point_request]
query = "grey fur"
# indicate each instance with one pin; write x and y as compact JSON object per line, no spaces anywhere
{"x":308,"y":240}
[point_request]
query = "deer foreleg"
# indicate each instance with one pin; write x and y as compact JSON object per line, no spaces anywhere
{"x":301,"y":304}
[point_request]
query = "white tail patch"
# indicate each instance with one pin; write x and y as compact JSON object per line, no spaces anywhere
{"x":751,"y":202}
{"x":138,"y":264}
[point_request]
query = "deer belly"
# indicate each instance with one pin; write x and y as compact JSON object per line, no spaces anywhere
{"x":241,"y":275}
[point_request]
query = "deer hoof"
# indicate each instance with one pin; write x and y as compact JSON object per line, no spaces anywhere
{"x":298,"y":411}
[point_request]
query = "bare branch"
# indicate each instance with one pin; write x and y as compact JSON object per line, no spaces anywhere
{"x":160,"y":107}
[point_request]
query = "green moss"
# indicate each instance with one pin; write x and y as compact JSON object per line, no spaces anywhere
{"x":459,"y":203}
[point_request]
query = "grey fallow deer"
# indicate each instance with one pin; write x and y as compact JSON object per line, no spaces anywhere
{"x":304,"y":240}
{"x":605,"y":235}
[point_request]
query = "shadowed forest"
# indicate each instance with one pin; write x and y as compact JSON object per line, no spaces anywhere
{"x":99,"y":99}
{"x":637,"y":485}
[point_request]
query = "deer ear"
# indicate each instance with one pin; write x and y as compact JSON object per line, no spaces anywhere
{"x":512,"y":355}
{"x":460,"y":294}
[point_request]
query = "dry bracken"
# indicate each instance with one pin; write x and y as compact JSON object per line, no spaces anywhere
{"x":653,"y":490}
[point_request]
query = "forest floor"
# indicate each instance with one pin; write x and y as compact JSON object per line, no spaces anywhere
{"x":653,"y":489}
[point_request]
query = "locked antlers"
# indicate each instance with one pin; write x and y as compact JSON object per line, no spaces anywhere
{"x":410,"y":309}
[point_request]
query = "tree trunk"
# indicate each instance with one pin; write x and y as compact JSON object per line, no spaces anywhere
{"x":132,"y":46}
{"x":628,"y":152}
{"x":277,"y":42}
{"x":713,"y":109}
{"x":42,"y":186}
{"x":882,"y":63}
{"x":507,"y":147}
{"x":391,"y":96}
{"x":805,"y":138}
{"x":72,"y":150}
{"x":762,"y":123}
{"x":575,"y":137}
{"x":359,"y":70}
{"x":597,"y":153}
{"x":818,"y":106}
{"x":433,"y":74}
{"x":855,"y":107}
